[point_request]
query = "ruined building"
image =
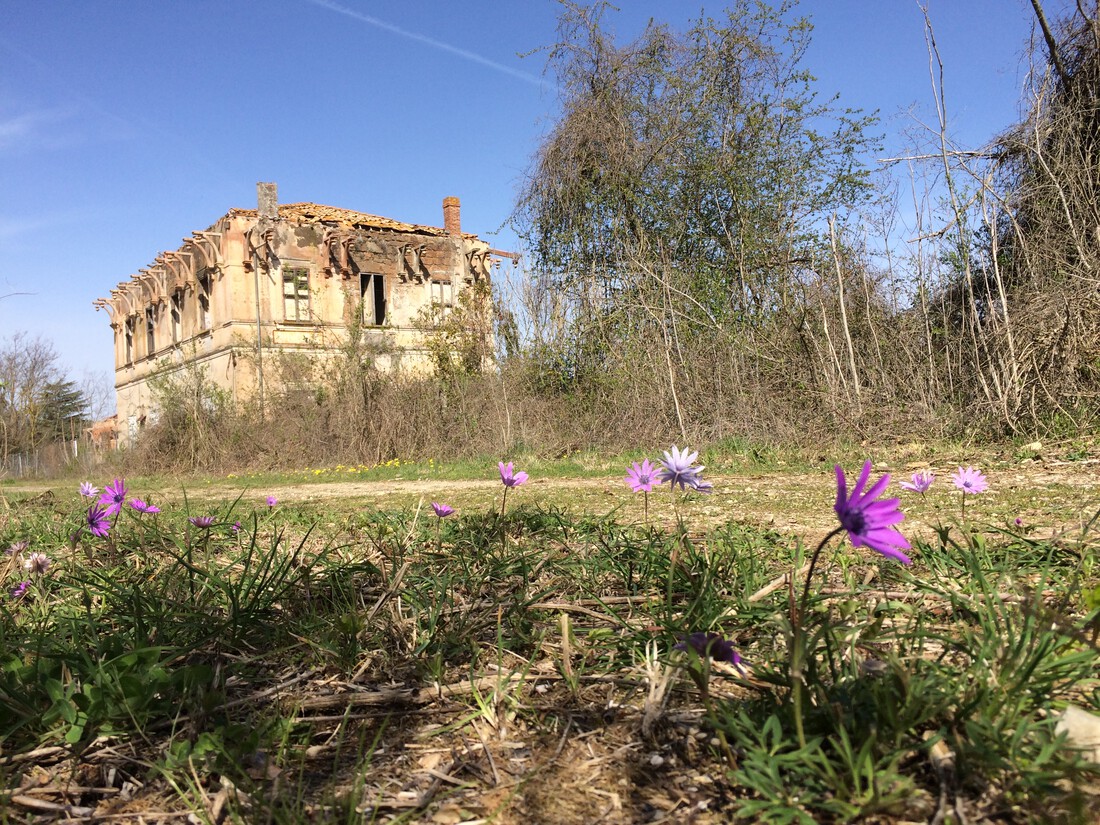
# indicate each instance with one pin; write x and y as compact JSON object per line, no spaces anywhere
{"x":283,"y":278}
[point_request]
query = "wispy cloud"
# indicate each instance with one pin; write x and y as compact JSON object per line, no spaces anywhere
{"x":14,"y":227}
{"x":33,"y":129}
{"x":465,"y":54}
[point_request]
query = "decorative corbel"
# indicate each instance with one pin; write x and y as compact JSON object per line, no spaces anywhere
{"x":160,"y":274}
{"x":403,"y":268}
{"x":262,"y":251}
{"x":109,"y":307}
{"x":133,"y":292}
{"x":418,"y":268}
{"x":124,"y":301}
{"x":330,"y":241}
{"x":182,"y":267}
{"x":345,"y":255}
{"x":207,"y":247}
{"x":469,"y":274}
{"x":148,"y":283}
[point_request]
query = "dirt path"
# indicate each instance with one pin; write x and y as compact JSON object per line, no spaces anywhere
{"x":1045,"y":494}
{"x":1051,"y":495}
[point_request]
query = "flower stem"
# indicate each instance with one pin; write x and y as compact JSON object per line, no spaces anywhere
{"x":503,"y":528}
{"x":798,"y":639}
{"x":810,"y":572}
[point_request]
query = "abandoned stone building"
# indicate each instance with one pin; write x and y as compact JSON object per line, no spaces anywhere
{"x":278,"y":279}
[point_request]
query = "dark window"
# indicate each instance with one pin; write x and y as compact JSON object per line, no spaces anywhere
{"x":177,"y":316}
{"x":150,"y":331}
{"x":204,"y":302}
{"x":128,"y":334}
{"x":296,"y":294}
{"x":372,"y":292}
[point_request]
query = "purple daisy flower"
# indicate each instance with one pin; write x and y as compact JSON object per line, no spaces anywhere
{"x":16,"y":548}
{"x":88,"y":490}
{"x":114,"y":496}
{"x":970,"y":480}
{"x":867,"y":521}
{"x":677,"y":469}
{"x":920,"y":483}
{"x":509,"y":477}
{"x":202,"y":522}
{"x":20,"y":590}
{"x":641,"y":477}
{"x":37,"y":564}
{"x":272,"y":501}
{"x":710,"y":644}
{"x":235,"y":527}
{"x":442,"y":510}
{"x":143,"y":507}
{"x":98,"y":521}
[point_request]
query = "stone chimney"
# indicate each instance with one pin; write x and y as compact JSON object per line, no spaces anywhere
{"x":452,"y":220}
{"x":267,"y":195}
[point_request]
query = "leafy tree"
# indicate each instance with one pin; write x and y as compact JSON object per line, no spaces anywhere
{"x":693,"y":170}
{"x":459,"y":339}
{"x":63,"y":411}
{"x":28,"y":367}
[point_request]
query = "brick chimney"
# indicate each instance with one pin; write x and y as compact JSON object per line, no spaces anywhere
{"x":267,"y":196}
{"x":452,"y":220}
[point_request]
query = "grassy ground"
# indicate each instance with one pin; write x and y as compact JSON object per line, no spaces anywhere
{"x":347,"y":656}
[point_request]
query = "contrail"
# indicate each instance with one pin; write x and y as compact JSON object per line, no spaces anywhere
{"x":428,"y":41}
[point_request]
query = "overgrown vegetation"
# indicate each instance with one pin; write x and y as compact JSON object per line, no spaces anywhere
{"x":702,"y":225}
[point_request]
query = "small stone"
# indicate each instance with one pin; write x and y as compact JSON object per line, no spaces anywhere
{"x":656,"y":760}
{"x":1082,"y":730}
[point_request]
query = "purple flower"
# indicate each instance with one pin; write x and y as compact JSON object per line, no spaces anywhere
{"x":98,"y":521}
{"x":704,"y":487}
{"x":868,"y":521}
{"x":202,"y":522}
{"x":143,"y":507}
{"x":920,"y":483}
{"x":20,"y":590}
{"x":509,"y":477}
{"x":236,"y":527}
{"x":114,"y":496}
{"x":87,"y":490}
{"x":677,"y":469}
{"x":272,"y":501}
{"x":710,"y":644}
{"x":37,"y":564}
{"x":442,"y":510}
{"x":969,"y":480}
{"x":641,"y":477}
{"x":16,"y":548}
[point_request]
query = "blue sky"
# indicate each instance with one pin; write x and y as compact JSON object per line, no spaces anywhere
{"x":126,"y":125}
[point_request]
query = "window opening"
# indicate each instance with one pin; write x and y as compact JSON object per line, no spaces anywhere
{"x":372,"y":292}
{"x":177,"y":316}
{"x":442,"y":294}
{"x":150,"y":332}
{"x":204,"y":302}
{"x":296,"y":294}
{"x":128,"y":335}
